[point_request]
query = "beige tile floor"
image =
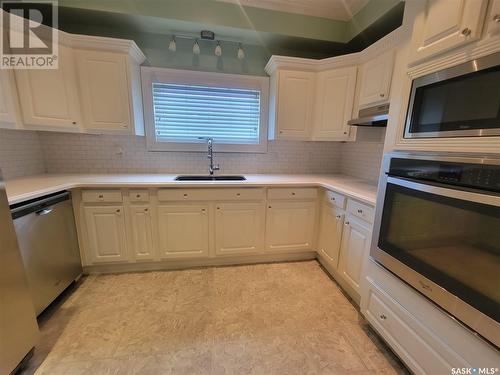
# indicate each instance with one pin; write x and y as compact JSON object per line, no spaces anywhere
{"x":286,"y":318}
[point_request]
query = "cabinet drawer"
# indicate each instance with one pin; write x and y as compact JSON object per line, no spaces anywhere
{"x":422,"y":351}
{"x":336,"y":199}
{"x":139,"y":196}
{"x":360,"y":210}
{"x":243,"y":194}
{"x":96,"y":196}
{"x":292,"y":193}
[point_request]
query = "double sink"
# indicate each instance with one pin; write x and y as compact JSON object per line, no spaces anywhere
{"x":209,"y":178}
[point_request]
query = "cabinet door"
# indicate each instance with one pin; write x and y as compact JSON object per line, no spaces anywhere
{"x":376,"y":81}
{"x":142,"y":232}
{"x":493,"y":19}
{"x":239,"y":228}
{"x":330,"y":235}
{"x":446,"y":24}
{"x":334,"y":103}
{"x":183,"y":231}
{"x":49,"y":99}
{"x":290,"y":226}
{"x":353,"y":251}
{"x":295,"y":104}
{"x":104,"y":90}
{"x":106,"y":234}
{"x":8,"y":98}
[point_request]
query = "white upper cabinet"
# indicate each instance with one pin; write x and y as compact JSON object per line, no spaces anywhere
{"x":48,"y":97}
{"x":493,"y":19}
{"x":292,"y":100}
{"x":104,"y":90}
{"x":9,"y":115}
{"x":376,"y":80}
{"x":446,"y":24}
{"x":334,"y":103}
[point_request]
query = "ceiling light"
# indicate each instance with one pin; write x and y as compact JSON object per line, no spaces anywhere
{"x":196,"y":47}
{"x":172,"y":46}
{"x":241,"y":53}
{"x":218,"y":49}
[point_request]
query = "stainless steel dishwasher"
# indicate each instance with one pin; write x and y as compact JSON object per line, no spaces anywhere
{"x":46,"y":233}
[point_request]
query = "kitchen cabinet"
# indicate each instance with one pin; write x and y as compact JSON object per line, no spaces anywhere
{"x":445,"y":24}
{"x":9,"y":110}
{"x":104,"y":90}
{"x":106,"y":233}
{"x":330,"y":233}
{"x":353,"y":250}
{"x":376,"y":80}
{"x":493,"y":19}
{"x":292,"y":101}
{"x":290,"y":225}
{"x":142,"y":235}
{"x":48,"y":97}
{"x":239,"y":228}
{"x":334,"y":103}
{"x":183,"y":230}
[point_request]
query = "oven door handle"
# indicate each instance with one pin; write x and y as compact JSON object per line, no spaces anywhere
{"x":488,"y":199}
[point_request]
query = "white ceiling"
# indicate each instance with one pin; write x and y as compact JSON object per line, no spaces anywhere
{"x":341,"y":10}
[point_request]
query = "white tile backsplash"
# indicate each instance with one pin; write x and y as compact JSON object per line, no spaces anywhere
{"x":26,"y":153}
{"x":20,"y":153}
{"x":84,"y":153}
{"x":363,"y":157}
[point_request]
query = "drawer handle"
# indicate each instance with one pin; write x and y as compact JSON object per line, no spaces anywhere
{"x":203,"y":210}
{"x":138,"y":196}
{"x":382,"y":95}
{"x":146,"y":210}
{"x":383,"y":317}
{"x":293,"y":193}
{"x":218,"y":208}
{"x":185,"y":195}
{"x":360,"y":211}
{"x":346,"y":223}
{"x":238,"y":194}
{"x":268,"y":206}
{"x":332,"y":198}
{"x":338,"y":217}
{"x":118,"y":211}
{"x":101,"y":196}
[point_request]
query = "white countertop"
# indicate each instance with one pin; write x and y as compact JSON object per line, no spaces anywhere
{"x":22,"y":189}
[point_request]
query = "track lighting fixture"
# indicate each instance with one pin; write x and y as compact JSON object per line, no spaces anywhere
{"x":207,"y":37}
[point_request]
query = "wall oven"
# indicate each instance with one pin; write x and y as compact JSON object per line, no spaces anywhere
{"x":437,"y":227}
{"x":461,"y":101}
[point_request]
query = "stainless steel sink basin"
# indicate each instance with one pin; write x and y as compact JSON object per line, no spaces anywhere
{"x":210,"y":178}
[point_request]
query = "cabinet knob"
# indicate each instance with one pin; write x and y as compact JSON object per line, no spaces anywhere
{"x":346,"y":223}
{"x":332,"y":198}
{"x":118,"y":211}
{"x":338,"y":217}
{"x":138,"y":196}
{"x":360,"y":211}
{"x":382,"y":95}
{"x":185,"y":195}
{"x":383,"y":317}
{"x":466,"y":32}
{"x":146,"y":210}
{"x":73,"y":122}
{"x":345,"y":132}
{"x":218,"y":208}
{"x":293,"y":193}
{"x":268,"y":206}
{"x":203,"y":210}
{"x":496,"y":18}
{"x":238,"y":194}
{"x":281,"y":131}
{"x":101,"y":196}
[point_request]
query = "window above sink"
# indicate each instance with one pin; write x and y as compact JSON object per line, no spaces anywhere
{"x":183,"y":108}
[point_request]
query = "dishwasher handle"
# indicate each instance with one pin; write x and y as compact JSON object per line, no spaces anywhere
{"x":41,"y":206}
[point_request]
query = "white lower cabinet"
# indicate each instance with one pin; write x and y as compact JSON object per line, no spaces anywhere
{"x":239,"y":228}
{"x":142,"y":235}
{"x":106,"y":234}
{"x":354,"y":250}
{"x":290,"y":225}
{"x":330,"y":233}
{"x":183,"y":231}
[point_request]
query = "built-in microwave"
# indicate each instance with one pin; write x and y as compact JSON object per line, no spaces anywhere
{"x":461,"y":101}
{"x":437,"y":227}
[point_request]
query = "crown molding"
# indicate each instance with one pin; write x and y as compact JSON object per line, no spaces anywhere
{"x":390,"y":41}
{"x":98,"y":43}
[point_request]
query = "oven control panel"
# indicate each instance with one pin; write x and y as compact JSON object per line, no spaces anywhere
{"x":476,"y":176}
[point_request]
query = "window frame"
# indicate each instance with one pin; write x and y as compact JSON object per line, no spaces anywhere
{"x":189,"y":77}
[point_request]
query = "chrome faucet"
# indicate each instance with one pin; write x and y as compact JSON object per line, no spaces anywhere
{"x":211,"y":166}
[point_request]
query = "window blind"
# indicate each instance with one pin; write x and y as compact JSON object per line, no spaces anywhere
{"x":186,"y":113}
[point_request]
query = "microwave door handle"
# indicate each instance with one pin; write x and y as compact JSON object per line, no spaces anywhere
{"x":491,"y":200}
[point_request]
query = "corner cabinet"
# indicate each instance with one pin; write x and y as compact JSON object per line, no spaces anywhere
{"x":334,"y":104}
{"x":292,"y":101}
{"x":49,"y":97}
{"x":445,"y":24}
